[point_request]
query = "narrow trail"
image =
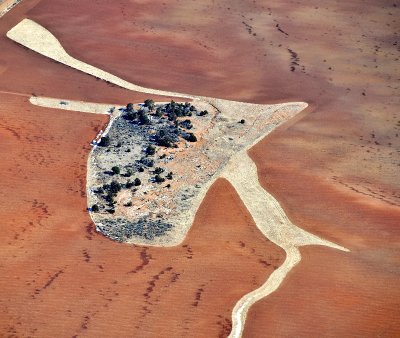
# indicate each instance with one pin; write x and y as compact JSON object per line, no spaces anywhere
{"x":272,"y":221}
{"x":14,"y":93}
{"x":241,"y":171}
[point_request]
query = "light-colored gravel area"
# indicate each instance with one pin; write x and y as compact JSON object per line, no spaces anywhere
{"x":237,"y":167}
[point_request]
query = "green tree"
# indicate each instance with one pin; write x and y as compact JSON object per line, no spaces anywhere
{"x":149,"y":104}
{"x":105,"y":141}
{"x":159,"y":179}
{"x":129,"y":172}
{"x":190,"y":137}
{"x":115,"y":170}
{"x":115,"y":187}
{"x":143,"y":118}
{"x":150,"y":150}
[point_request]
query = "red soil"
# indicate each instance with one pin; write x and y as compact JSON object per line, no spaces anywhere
{"x":24,"y":72}
{"x":334,"y":168}
{"x":330,"y":294}
{"x":58,"y":275}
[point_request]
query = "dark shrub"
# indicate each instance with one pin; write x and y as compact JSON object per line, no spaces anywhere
{"x":104,"y":142}
{"x":159,"y":179}
{"x":129,"y":184}
{"x":115,"y":170}
{"x":149,"y":104}
{"x":190,"y":137}
{"x":131,"y":116}
{"x":159,"y":112}
{"x":150,"y":150}
{"x":147,"y":162}
{"x":172,"y":116}
{"x":129,"y":107}
{"x":187,"y":124}
{"x":158,"y":170}
{"x":164,"y":142}
{"x":143,"y":118}
{"x":95,"y":208}
{"x":242,"y":121}
{"x":137,"y":182}
{"x":115,"y":187}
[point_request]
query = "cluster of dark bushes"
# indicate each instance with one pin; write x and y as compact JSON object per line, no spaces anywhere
{"x":168,"y":134}
{"x":166,"y":131}
{"x":167,"y":137}
{"x":120,"y":229}
{"x":109,"y":191}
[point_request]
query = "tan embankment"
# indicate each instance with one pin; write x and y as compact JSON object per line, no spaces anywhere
{"x":240,"y":171}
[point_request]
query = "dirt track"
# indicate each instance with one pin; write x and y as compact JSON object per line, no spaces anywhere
{"x":331,"y":153}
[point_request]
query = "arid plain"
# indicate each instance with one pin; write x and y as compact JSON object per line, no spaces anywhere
{"x":334,"y":169}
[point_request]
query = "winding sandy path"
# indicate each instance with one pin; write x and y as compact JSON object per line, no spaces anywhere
{"x":272,"y":221}
{"x":240,"y":171}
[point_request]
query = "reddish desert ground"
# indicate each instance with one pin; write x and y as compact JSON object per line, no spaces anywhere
{"x":334,"y":168}
{"x":59,"y":275}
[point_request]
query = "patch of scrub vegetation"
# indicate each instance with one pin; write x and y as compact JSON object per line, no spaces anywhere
{"x":131,"y":164}
{"x":121,"y":229}
{"x":151,"y":169}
